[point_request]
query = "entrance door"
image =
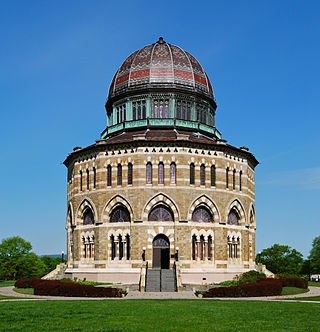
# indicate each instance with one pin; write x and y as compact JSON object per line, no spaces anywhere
{"x":161,"y":252}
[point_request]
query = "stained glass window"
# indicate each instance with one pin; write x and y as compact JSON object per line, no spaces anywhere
{"x":233,"y":218}
{"x":161,"y":213}
{"x":120,"y":214}
{"x":88,"y":217}
{"x":192,"y":173}
{"x":202,"y":214}
{"x":213,"y":175}
{"x":161,"y":109}
{"x":202,"y":175}
{"x":149,"y":172}
{"x":161,"y":173}
{"x":130,"y":169}
{"x":109,"y":176}
{"x":119,"y":175}
{"x":173,"y":173}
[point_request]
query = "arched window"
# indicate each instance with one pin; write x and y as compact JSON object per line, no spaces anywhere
{"x":213,"y":175}
{"x":202,"y":175}
{"x":240,"y":180}
{"x":160,"y":213}
{"x":233,"y":217}
{"x":94,"y":177}
{"x":161,"y":173}
{"x":113,"y":248}
{"x":149,"y":173}
{"x":120,"y":214}
{"x":173,"y":173}
{"x":119,"y":175}
{"x":227,"y":177}
{"x":234,"y":179}
{"x":202,"y":214}
{"x":209,"y":247}
{"x":88,"y":218}
{"x":109,"y":176}
{"x":192,"y":173}
{"x":130,"y":173}
{"x":80,"y":180}
{"x":201,"y":256}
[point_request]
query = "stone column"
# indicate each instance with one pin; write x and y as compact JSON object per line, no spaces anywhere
{"x":124,"y":250}
{"x":205,"y":250}
{"x":198,"y":250}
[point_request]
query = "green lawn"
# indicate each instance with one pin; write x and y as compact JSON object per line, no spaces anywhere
{"x":307,"y":298}
{"x":158,"y":315}
{"x":24,"y":290}
{"x":7,"y":283}
{"x":293,"y":290}
{"x":314,"y":283}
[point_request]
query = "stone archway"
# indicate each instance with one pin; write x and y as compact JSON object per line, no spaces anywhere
{"x":161,"y":252}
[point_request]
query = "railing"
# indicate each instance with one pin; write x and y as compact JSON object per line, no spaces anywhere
{"x":156,"y":122}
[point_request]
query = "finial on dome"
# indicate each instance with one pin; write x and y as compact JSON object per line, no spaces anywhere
{"x":160,"y":41}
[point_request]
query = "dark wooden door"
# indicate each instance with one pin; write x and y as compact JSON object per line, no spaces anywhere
{"x":165,"y":258}
{"x":156,"y":258}
{"x":161,"y":252}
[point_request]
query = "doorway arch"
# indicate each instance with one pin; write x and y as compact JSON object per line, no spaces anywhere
{"x":161,"y":252}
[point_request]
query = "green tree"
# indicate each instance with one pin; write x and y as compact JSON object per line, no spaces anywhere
{"x":315,"y":256}
{"x":282,"y":259}
{"x":16,"y":260}
{"x":50,"y":262}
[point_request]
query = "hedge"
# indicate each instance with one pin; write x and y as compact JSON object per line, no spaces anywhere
{"x":58,"y":288}
{"x":265,"y":287}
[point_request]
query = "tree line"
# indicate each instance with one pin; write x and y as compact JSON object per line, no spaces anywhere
{"x":17,"y":261}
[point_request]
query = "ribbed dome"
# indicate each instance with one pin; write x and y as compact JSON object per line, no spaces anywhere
{"x":160,"y":65}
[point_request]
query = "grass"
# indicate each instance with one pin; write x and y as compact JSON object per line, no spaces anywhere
{"x":314,"y":283}
{"x":158,"y":315}
{"x":308,"y":298}
{"x":293,"y":290}
{"x":29,"y":291}
{"x":7,"y":283}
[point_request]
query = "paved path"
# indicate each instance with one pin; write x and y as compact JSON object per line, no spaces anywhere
{"x":8,"y":291}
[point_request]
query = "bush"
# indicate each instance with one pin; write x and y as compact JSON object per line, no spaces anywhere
{"x":229,"y":283}
{"x":294,"y":282}
{"x":265,"y":287}
{"x":252,"y":276}
{"x":66,"y":288}
{"x":27,"y":283}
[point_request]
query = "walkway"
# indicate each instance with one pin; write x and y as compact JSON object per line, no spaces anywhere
{"x":8,"y":291}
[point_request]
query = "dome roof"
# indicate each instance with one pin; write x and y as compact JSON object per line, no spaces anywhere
{"x":160,"y":65}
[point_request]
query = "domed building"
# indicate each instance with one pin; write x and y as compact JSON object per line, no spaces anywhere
{"x":160,"y":190}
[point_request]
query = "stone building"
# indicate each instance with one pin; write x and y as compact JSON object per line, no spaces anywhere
{"x":160,"y":186}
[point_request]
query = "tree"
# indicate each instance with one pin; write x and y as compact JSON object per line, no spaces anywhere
{"x":50,"y":262}
{"x":315,"y":256}
{"x":16,"y":260}
{"x":282,"y":259}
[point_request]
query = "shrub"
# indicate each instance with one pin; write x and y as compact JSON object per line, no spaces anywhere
{"x":252,"y":276}
{"x":229,"y":283}
{"x":27,"y":283}
{"x":294,"y":282}
{"x":265,"y":287}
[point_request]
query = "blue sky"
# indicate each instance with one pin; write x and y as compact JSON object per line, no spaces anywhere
{"x":58,"y":58}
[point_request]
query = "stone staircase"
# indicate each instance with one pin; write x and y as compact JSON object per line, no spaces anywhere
{"x":163,"y":280}
{"x":57,"y":273}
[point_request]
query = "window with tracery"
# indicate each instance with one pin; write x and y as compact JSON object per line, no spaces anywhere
{"x":139,"y":110}
{"x":149,"y":173}
{"x":160,"y":213}
{"x":233,"y":247}
{"x":233,"y":218}
{"x":130,"y":175}
{"x":202,"y":175}
{"x":121,"y":113}
{"x":173,"y":173}
{"x":192,"y":173}
{"x":88,"y":217}
{"x":120,"y":214}
{"x":119,"y":175}
{"x":161,"y":173}
{"x":213,"y":175}
{"x":202,"y":214}
{"x":109,"y":175}
{"x":183,"y":110}
{"x":161,"y":108}
{"x":201,"y":113}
